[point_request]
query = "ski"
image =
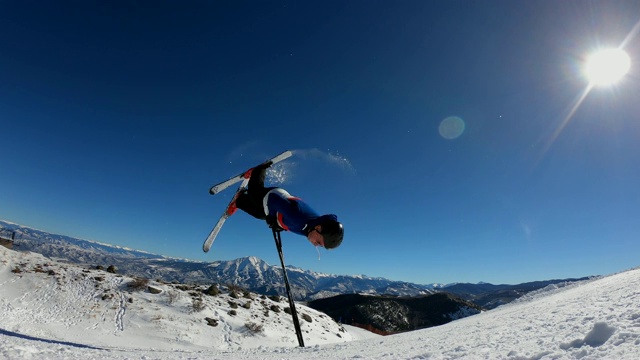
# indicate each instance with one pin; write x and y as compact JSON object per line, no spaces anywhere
{"x":225,"y":184}
{"x":216,"y":229}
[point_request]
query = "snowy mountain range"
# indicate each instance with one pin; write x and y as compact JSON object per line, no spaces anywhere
{"x":249,"y":272}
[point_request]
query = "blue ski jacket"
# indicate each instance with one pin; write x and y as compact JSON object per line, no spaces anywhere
{"x":291,"y":213}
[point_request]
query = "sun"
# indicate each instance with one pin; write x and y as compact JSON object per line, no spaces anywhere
{"x":606,"y":67}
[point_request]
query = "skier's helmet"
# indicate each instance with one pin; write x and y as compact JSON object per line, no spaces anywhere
{"x":332,"y":233}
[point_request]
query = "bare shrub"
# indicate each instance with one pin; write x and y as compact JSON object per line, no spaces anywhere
{"x":197,"y":305}
{"x":233,"y":288}
{"x":254,"y":328}
{"x":172,"y":296}
{"x":138,"y":284}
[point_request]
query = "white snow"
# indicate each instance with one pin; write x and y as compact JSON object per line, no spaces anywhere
{"x":52,"y":310}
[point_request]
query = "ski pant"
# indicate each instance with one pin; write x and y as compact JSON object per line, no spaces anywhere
{"x":251,"y":200}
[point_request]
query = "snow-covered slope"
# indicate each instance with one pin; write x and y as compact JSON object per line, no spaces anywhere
{"x":46,"y":316}
{"x":44,"y":299}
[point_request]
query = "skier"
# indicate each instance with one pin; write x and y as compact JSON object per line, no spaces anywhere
{"x":286,"y":212}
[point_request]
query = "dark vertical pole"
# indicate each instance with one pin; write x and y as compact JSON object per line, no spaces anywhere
{"x":292,"y":305}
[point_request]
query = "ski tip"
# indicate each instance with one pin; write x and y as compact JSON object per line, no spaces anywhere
{"x":283,"y":156}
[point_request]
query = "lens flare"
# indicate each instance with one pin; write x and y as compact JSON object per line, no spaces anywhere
{"x":451,"y":127}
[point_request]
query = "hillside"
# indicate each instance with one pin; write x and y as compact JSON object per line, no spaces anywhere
{"x":44,"y":299}
{"x":56,"y":311}
{"x":490,"y":296}
{"x":390,"y":314}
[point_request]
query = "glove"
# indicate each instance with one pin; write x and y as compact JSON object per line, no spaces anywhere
{"x":272,"y":221}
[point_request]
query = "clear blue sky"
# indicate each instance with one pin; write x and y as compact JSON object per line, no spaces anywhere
{"x":117,"y":117}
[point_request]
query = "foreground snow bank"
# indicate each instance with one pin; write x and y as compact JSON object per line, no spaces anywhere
{"x":41,"y":299}
{"x":596,"y":319}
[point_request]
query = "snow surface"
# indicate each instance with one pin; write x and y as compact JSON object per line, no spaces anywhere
{"x":52,"y":310}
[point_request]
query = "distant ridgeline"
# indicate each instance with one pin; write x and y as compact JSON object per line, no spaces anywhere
{"x":250,"y":273}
